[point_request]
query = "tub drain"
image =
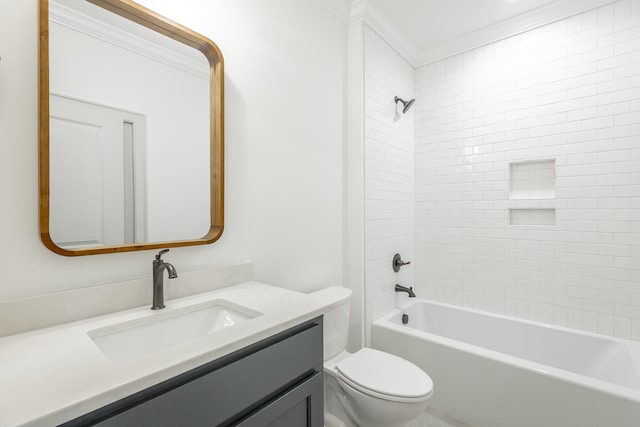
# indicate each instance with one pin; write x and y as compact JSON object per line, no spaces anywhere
{"x":405,"y":319}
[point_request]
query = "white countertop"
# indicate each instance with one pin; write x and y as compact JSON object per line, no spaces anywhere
{"x":52,"y":375}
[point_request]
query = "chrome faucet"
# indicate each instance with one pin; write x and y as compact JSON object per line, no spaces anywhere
{"x":408,"y":290}
{"x":158,"y":279}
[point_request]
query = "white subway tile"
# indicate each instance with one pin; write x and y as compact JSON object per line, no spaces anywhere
{"x":617,"y":62}
{"x":583,"y":91}
{"x":612,"y":39}
{"x":622,"y":327}
{"x":624,"y":67}
{"x":598,"y":306}
{"x":579,"y":104}
{"x":598,"y":100}
{"x":605,"y":14}
{"x":614,"y":132}
{"x":613,"y":109}
{"x":626,"y":23}
{"x":622,"y":9}
{"x":590,"y":321}
{"x":627,"y":119}
{"x":605,"y":324}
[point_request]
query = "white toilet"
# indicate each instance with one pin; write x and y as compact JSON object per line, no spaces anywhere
{"x":368,"y":388}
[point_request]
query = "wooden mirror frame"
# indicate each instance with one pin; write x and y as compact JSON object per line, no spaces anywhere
{"x":149,"y":19}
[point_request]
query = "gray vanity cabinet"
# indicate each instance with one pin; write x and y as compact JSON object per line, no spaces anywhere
{"x":276,"y":382}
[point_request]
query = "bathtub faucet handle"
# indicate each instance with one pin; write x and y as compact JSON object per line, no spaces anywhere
{"x":397,"y":263}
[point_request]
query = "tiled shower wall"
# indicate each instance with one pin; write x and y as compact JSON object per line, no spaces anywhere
{"x":389,"y":175}
{"x":560,"y":245}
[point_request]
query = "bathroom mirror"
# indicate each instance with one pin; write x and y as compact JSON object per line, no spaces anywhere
{"x":131,"y":130}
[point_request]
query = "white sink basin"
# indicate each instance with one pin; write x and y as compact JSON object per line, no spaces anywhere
{"x":132,"y":339}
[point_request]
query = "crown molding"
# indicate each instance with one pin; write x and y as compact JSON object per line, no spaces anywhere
{"x":95,"y":28}
{"x":519,"y":24}
{"x":358,"y":11}
{"x":338,"y":8}
{"x":363,"y":12}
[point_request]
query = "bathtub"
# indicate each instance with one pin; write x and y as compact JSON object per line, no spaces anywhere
{"x":496,"y":371}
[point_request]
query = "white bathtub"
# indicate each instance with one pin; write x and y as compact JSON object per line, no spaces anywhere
{"x":497,"y":371}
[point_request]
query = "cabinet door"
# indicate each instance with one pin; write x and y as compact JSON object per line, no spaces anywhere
{"x":301,"y":406}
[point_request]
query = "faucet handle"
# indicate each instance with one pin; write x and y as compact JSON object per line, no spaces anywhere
{"x":397,"y":262}
{"x":162,"y":252}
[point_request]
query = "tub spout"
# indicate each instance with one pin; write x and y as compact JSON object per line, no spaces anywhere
{"x":408,"y":290}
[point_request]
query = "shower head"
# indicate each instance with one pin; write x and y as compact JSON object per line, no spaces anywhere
{"x":406,"y":104}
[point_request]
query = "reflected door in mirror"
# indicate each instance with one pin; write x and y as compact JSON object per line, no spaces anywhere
{"x":97,"y":175}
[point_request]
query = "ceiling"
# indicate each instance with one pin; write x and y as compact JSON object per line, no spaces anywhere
{"x":427,"y":30}
{"x":429,"y":22}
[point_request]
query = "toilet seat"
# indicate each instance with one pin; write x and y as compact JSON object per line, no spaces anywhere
{"x":385,"y":376}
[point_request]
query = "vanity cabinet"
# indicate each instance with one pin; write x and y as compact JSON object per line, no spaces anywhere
{"x":275,"y":382}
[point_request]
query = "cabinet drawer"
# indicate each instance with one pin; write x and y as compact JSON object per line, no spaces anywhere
{"x":301,"y":407}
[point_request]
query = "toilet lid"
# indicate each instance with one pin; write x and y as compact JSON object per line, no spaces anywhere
{"x":386,"y":376}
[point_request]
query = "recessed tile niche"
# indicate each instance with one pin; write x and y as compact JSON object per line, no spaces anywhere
{"x":536,"y":216}
{"x":532,"y":180}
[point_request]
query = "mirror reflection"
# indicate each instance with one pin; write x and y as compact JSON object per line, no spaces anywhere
{"x":130,"y":153}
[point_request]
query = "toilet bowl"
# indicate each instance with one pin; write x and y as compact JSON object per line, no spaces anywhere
{"x":368,"y":388}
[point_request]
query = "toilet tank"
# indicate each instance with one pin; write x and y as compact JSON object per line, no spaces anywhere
{"x":336,"y":328}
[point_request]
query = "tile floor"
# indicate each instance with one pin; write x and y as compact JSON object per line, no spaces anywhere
{"x":433,"y":418}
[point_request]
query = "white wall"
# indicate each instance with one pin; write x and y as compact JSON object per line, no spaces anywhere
{"x":389,"y":175}
{"x":570,"y":92}
{"x":285,"y":79}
